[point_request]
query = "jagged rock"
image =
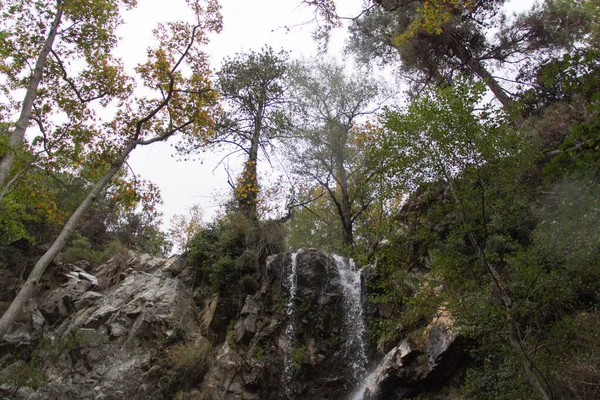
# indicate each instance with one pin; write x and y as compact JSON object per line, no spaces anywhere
{"x":217,"y":313}
{"x":245,"y":327}
{"x":109,"y":329}
{"x":112,"y":338}
{"x":174,"y":266}
{"x":404,"y":371}
{"x":259,"y":368}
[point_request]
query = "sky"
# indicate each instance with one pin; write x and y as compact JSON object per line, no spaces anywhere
{"x":248,"y":25}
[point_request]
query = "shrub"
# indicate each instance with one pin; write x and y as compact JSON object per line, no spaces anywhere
{"x":247,"y":263}
{"x":249,"y":284}
{"x":298,"y":357}
{"x":222,"y":273}
{"x":80,"y":249}
{"x":271,"y":238}
{"x":27,"y":374}
{"x":231,"y":337}
{"x":191,"y":360}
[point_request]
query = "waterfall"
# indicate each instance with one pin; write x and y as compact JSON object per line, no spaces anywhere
{"x":350,"y":282}
{"x":368,"y":383}
{"x":354,"y":353}
{"x":290,"y":311}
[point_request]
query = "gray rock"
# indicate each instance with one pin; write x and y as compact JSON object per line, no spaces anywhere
{"x":112,"y":338}
{"x":402,"y":374}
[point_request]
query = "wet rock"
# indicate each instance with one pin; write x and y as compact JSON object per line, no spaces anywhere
{"x":408,"y":369}
{"x":245,"y":327}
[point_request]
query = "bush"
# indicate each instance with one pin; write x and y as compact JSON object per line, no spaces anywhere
{"x":247,"y":263}
{"x":271,"y":238}
{"x":249,"y":284}
{"x":192,"y":360}
{"x":223,"y":273}
{"x":80,"y":249}
{"x":214,"y":249}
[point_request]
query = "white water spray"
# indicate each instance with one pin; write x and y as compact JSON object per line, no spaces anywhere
{"x":290,"y":311}
{"x":350,"y":282}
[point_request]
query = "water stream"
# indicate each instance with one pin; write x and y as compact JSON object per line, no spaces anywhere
{"x":291,"y":310}
{"x":350,"y":282}
{"x":354,"y":325}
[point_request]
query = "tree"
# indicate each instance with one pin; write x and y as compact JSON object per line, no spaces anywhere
{"x":475,"y":157}
{"x":185,"y":226}
{"x":438,"y":39}
{"x":36,"y":57}
{"x":328,"y":104}
{"x":183,"y":102}
{"x":252,"y":87}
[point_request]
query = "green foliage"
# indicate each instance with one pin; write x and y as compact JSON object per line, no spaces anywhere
{"x":191,"y":360}
{"x":214,"y":249}
{"x":249,"y":284}
{"x":315,"y":226}
{"x":27,"y":367}
{"x":231,"y":337}
{"x":24,"y":374}
{"x":80,"y":249}
{"x":260,"y":354}
{"x":232,"y":248}
{"x":298,"y":357}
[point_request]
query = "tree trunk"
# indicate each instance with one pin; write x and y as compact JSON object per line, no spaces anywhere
{"x":515,"y":342}
{"x":18,"y":133}
{"x":251,"y":178}
{"x":475,"y":66}
{"x":514,"y":339}
{"x":59,"y":243}
{"x":342,"y":181}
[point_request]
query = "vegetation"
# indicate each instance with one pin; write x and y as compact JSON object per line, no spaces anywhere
{"x":479,"y":195}
{"x":191,"y":360}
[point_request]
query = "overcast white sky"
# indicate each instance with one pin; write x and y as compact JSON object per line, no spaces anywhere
{"x":248,"y":25}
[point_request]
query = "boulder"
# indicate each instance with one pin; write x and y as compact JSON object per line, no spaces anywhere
{"x":408,"y":369}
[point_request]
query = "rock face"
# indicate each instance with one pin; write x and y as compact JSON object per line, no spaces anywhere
{"x":105,"y":333}
{"x":410,"y":368}
{"x":103,"y":344}
{"x":110,"y":333}
{"x":287,"y":347}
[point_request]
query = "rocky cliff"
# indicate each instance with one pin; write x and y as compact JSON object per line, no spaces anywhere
{"x":141,"y":327}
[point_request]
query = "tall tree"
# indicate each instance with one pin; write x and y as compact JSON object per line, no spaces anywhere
{"x":57,"y":55}
{"x":177,"y":71}
{"x":442,"y":137}
{"x":328,"y":105}
{"x":436,"y":40}
{"x":252,"y":86}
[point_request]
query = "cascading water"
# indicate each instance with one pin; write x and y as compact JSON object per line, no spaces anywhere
{"x":350,"y":282}
{"x":290,"y":310}
{"x":354,"y":354}
{"x":368,"y":383}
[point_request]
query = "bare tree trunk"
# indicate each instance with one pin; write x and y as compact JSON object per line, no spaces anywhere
{"x":514,"y":339}
{"x":59,"y":243}
{"x":516,"y":344}
{"x":346,"y":207}
{"x":341,"y":177}
{"x":18,"y":133}
{"x":251,"y":178}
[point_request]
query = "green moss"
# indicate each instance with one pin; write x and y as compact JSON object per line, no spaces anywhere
{"x":298,"y":357}
{"x":260,"y":354}
{"x":231,"y":337}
